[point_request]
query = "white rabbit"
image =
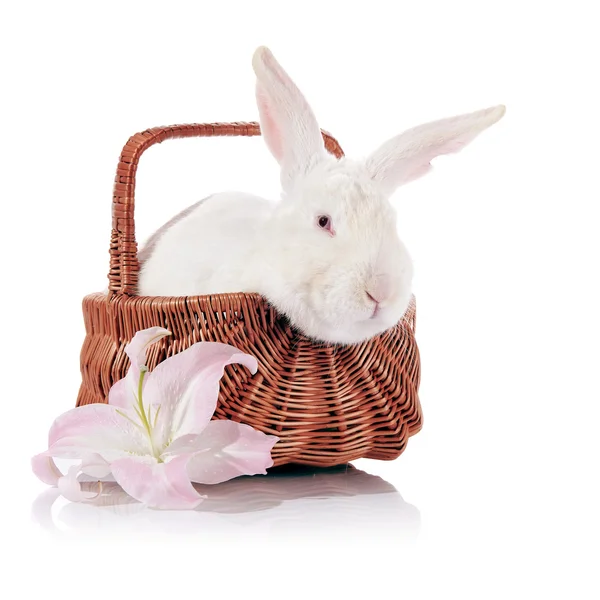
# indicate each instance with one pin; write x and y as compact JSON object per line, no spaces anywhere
{"x":327,"y":254}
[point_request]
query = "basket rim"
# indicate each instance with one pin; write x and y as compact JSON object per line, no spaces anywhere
{"x":112,"y":297}
{"x":406,"y":322}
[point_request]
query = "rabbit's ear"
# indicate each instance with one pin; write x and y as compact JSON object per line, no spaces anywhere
{"x":408,"y":155}
{"x":287,"y":122}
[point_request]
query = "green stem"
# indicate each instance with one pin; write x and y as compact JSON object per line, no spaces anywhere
{"x":142,"y":413}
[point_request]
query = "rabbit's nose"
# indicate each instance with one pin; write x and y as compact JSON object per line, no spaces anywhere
{"x":379,"y":289}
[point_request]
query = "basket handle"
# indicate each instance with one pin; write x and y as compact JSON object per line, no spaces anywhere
{"x":124,"y":266}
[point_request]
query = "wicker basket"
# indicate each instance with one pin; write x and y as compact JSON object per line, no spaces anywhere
{"x":327,"y":404}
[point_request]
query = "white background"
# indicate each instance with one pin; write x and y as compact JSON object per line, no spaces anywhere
{"x":497,"y":496}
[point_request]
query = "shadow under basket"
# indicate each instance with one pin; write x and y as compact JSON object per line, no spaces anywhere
{"x":327,"y":404}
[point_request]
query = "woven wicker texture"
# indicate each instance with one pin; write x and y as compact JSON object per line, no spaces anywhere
{"x":327,"y":404}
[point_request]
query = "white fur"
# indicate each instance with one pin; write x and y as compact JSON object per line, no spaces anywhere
{"x":343,"y":288}
{"x":408,"y":155}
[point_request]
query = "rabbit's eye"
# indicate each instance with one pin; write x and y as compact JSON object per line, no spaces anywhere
{"x":324,"y":222}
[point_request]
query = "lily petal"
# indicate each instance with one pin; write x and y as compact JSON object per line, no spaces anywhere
{"x":95,"y":466}
{"x":124,"y":392}
{"x":45,"y":469}
{"x":70,"y":487}
{"x":186,"y":386}
{"x":159,"y":485}
{"x":136,"y":349}
{"x":225,"y":450}
{"x":97,"y":428}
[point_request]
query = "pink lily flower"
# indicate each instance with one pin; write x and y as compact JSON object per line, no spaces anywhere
{"x":155,"y":436}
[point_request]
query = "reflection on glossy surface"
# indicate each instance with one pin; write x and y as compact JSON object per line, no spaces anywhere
{"x":290,"y":500}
